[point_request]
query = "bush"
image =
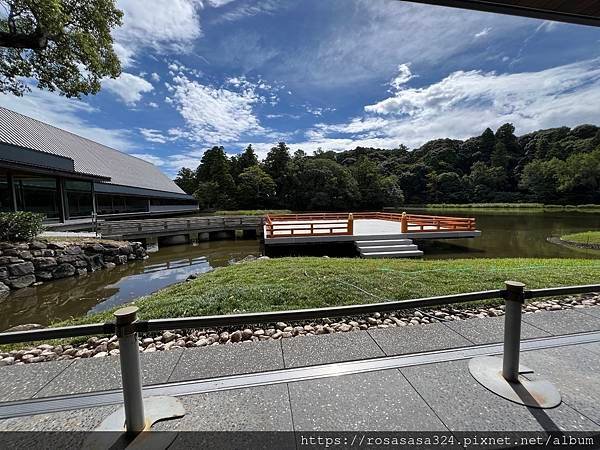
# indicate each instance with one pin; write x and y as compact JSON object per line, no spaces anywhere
{"x":20,"y":226}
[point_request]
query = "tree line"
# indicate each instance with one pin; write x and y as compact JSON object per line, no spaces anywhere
{"x":558,"y":165}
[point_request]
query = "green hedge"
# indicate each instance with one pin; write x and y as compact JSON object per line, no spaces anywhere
{"x":20,"y":226}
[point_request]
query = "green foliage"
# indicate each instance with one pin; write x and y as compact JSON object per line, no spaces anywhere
{"x":559,"y":166}
{"x":20,"y":226}
{"x":256,"y":189}
{"x":186,"y":180}
{"x":65,"y":45}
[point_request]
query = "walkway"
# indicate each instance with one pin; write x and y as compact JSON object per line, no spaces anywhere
{"x":393,"y":379}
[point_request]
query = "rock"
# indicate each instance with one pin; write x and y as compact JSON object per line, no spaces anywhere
{"x":21,"y":269}
{"x":202,"y":342}
{"x":4,"y":290}
{"x":25,"y":254}
{"x":224,"y":336}
{"x":168,"y":336}
{"x":8,"y":361}
{"x":109,"y":265}
{"x":147,"y":341}
{"x":259,"y":332}
{"x":5,"y":260}
{"x":100,"y":355}
{"x":236,"y":336}
{"x":43,"y":276}
{"x":281,"y":325}
{"x":66,"y":259}
{"x":73,"y":250}
{"x":37,"y":245}
{"x":247,"y":333}
{"x":63,"y":270}
{"x":26,"y":327}
{"x":20,"y":282}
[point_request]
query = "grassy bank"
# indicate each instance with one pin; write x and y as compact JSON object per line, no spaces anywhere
{"x":587,"y":237}
{"x":292,"y":283}
{"x":507,"y":206}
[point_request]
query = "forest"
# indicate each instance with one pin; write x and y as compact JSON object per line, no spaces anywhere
{"x":552,"y":166}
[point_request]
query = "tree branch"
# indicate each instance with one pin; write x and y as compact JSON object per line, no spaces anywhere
{"x":35,"y":41}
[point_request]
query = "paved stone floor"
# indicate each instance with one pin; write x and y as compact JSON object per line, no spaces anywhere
{"x":434,"y":397}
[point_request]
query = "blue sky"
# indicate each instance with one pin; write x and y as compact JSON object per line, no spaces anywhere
{"x":328,"y":74}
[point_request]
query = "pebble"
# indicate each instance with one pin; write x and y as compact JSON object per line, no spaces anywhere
{"x":109,"y":346}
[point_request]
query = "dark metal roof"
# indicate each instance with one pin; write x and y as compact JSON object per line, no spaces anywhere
{"x":89,"y":157}
{"x":583,"y":12}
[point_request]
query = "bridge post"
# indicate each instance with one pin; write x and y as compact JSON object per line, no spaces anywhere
{"x":404,"y":223}
{"x":350,"y":224}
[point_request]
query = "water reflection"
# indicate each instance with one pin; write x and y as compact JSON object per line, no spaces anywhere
{"x":152,"y":279}
{"x":104,"y":289}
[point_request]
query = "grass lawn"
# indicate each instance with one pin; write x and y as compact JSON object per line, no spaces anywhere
{"x":587,"y":237}
{"x":293,"y":283}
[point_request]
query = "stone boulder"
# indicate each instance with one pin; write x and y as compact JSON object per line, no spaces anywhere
{"x":63,"y":270}
{"x":44,"y":262}
{"x":20,"y":282}
{"x":20,"y":269}
{"x":4,"y":290}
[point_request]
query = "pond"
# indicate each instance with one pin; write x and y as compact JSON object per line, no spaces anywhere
{"x":504,"y":234}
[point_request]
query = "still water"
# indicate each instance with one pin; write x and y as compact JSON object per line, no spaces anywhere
{"x":511,"y":234}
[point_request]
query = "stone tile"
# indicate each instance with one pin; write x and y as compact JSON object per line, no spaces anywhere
{"x":594,"y":347}
{"x":592,"y":311}
{"x":575,"y":371}
{"x":72,"y":420}
{"x":230,"y":359}
{"x":22,"y":382}
{"x":260,"y":408}
{"x":464,"y":405}
{"x":567,"y":321}
{"x":103,"y":374}
{"x":329,"y":348}
{"x":27,"y":429}
{"x":418,"y":338}
{"x":490,"y":330}
{"x":235,"y":416}
{"x":374,"y":401}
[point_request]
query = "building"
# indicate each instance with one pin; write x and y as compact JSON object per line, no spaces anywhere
{"x":68,"y":178}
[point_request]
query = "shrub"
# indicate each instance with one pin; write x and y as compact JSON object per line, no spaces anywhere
{"x":20,"y":226}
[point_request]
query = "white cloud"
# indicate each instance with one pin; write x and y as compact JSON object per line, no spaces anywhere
{"x":464,"y":103}
{"x":67,"y":114}
{"x":155,"y":76}
{"x":162,"y":25}
{"x":152,"y":135}
{"x":128,"y":87}
{"x":218,"y":3}
{"x":215,"y":115}
{"x":403,"y":77}
{"x":483,"y":32}
{"x":153,"y":159}
{"x":153,"y":105}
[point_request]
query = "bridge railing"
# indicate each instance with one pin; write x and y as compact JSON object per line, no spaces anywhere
{"x":318,"y":224}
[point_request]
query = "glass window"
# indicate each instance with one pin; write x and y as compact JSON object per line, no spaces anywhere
{"x":37,"y":194}
{"x":5,"y":194}
{"x":119,"y":204}
{"x":79,"y":198}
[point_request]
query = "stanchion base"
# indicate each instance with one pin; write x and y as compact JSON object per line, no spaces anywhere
{"x":487,"y":371}
{"x":155,"y":409}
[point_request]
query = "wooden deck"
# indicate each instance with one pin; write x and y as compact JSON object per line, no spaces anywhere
{"x":374,"y":234}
